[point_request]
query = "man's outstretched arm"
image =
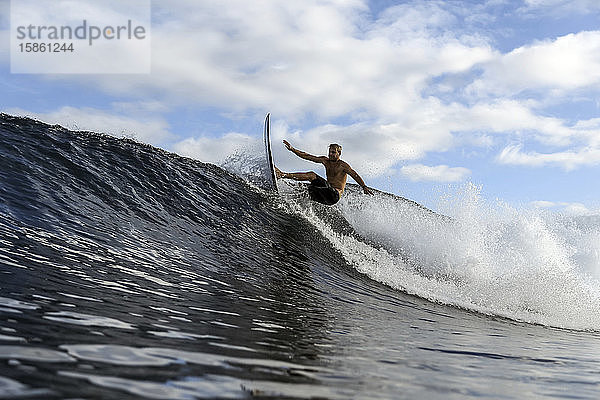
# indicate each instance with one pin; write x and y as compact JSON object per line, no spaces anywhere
{"x":304,"y":155}
{"x":358,"y":179}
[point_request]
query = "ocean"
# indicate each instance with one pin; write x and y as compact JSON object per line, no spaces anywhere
{"x":128,"y":272}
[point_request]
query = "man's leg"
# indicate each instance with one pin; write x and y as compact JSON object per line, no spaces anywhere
{"x":297,"y":176}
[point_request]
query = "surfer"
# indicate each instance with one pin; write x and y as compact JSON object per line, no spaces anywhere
{"x":325,"y":191}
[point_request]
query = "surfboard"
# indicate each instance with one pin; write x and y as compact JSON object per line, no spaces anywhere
{"x":271,"y":177}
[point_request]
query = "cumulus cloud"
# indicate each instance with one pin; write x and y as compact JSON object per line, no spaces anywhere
{"x":568,"y":159}
{"x":574,"y":146}
{"x":509,"y":117}
{"x":149,"y":130}
{"x":567,"y":63}
{"x":438,"y":173}
{"x":216,"y":150}
{"x":566,"y":207}
{"x":324,"y":58}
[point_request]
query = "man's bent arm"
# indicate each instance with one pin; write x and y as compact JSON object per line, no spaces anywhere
{"x":359,"y":180}
{"x":304,"y":155}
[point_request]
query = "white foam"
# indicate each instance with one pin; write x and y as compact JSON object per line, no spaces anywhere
{"x":250,"y":164}
{"x":526,"y":265}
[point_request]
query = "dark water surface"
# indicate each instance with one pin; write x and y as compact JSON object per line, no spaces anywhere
{"x":128,"y":272}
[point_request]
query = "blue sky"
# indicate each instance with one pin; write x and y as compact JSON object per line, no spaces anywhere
{"x":424,"y":96}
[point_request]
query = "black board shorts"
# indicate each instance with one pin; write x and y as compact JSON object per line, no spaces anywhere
{"x":321,"y":191}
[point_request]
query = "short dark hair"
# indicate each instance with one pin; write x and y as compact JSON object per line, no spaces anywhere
{"x":336,"y":146}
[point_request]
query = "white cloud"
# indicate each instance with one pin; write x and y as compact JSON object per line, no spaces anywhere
{"x":543,"y":204}
{"x":577,"y":209}
{"x":215,"y":150}
{"x":312,"y":57}
{"x":561,"y":7}
{"x":567,"y":63}
{"x":576,"y":146}
{"x":141,"y":107}
{"x":568,"y":159}
{"x":149,"y":130}
{"x":590,"y":131}
{"x":510,"y":117}
{"x":438,"y":173}
{"x":566,"y":207}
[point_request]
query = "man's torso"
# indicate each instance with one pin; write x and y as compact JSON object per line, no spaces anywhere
{"x":336,"y":174}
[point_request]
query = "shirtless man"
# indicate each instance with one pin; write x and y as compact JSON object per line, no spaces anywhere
{"x":325,"y":191}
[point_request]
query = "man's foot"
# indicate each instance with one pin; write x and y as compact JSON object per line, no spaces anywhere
{"x":278,"y":173}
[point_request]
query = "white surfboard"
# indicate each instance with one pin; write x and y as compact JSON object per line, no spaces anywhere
{"x":271,"y":178}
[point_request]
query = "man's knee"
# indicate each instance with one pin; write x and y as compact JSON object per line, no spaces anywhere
{"x":311,"y":176}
